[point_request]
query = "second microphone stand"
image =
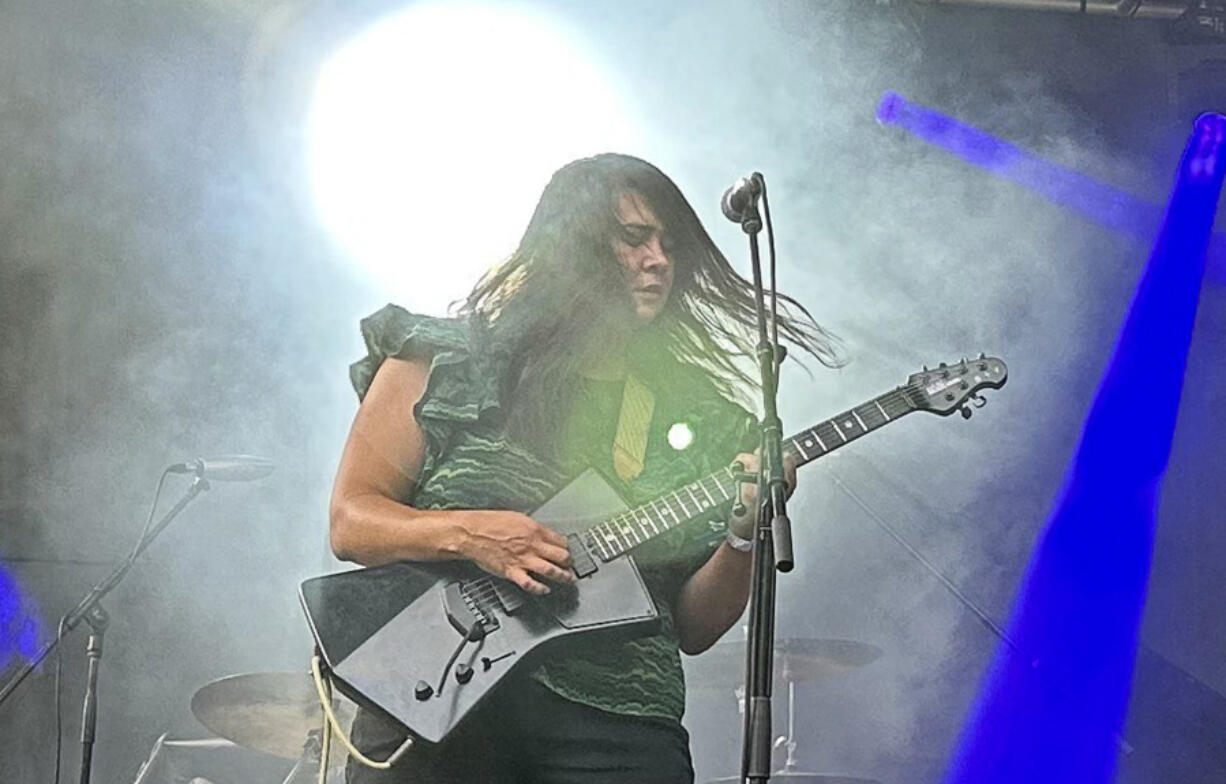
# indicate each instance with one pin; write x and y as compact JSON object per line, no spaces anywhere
{"x":92,"y":613}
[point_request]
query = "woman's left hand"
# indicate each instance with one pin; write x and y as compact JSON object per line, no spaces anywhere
{"x":743,"y":526}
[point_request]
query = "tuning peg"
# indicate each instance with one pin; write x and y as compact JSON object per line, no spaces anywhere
{"x":978,"y":401}
{"x":944,"y":365}
{"x":965,"y":412}
{"x":982,"y":355}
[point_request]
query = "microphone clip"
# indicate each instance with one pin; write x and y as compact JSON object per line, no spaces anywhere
{"x":192,"y":467}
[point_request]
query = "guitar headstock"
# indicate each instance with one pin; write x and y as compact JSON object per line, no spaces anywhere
{"x":955,"y":387}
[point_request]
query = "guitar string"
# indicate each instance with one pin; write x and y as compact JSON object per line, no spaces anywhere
{"x":630,"y":518}
{"x":485,"y":591}
{"x":896,"y":399}
{"x":609,"y":535}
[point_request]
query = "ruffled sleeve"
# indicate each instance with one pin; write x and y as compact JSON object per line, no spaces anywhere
{"x":463,"y":386}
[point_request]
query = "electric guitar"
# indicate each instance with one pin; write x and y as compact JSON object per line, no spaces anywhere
{"x":426,"y":643}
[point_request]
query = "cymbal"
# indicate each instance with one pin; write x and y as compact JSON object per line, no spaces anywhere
{"x":796,"y":660}
{"x":803,"y":778}
{"x":200,"y":743}
{"x":273,"y":712}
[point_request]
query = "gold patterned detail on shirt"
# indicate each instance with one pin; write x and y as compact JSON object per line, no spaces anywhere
{"x":630,"y":443}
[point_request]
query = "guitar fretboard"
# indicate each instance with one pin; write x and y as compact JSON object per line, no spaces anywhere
{"x":632,"y":528}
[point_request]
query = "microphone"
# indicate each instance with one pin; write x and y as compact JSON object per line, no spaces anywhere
{"x":743,"y":195}
{"x":226,"y":468}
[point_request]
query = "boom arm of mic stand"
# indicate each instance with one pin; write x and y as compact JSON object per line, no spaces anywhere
{"x":91,"y":599}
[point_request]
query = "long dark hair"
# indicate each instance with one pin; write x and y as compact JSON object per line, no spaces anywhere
{"x":563,"y":291}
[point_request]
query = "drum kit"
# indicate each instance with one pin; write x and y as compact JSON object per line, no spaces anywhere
{"x":797,"y":660}
{"x":278,"y":713}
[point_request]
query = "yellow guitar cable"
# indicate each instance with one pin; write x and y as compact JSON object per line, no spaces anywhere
{"x":325,"y":736}
{"x":333,"y":725}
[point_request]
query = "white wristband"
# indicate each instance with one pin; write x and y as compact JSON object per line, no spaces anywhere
{"x":737,"y":543}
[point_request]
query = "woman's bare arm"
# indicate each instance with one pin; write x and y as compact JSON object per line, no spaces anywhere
{"x":715,"y":595}
{"x":371,"y":524}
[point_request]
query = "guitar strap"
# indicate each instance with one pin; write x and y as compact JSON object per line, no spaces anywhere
{"x":630,"y":443}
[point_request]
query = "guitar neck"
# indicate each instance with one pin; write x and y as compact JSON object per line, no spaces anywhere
{"x":632,"y":528}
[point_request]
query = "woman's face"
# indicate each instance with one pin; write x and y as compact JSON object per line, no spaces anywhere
{"x":643,"y":247}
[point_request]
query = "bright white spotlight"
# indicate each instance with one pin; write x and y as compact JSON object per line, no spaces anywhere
{"x":433,"y":132}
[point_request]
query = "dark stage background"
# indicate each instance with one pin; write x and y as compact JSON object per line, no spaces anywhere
{"x":167,"y":290}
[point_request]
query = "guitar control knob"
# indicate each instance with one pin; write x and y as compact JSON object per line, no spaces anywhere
{"x":423,"y":691}
{"x":463,"y":673}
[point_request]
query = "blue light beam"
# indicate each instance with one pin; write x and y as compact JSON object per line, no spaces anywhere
{"x":1095,"y":201}
{"x":20,"y":628}
{"x":1054,"y":714}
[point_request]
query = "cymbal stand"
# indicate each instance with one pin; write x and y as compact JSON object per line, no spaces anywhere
{"x":787,"y":741}
{"x":308,"y":762}
{"x":306,"y":769}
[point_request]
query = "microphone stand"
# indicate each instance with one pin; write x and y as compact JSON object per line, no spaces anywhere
{"x":90,"y":611}
{"x":773,"y":538}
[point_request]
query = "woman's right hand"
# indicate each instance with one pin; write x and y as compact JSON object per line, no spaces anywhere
{"x":516,"y":547}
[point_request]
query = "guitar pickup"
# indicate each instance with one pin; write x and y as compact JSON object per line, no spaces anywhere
{"x":581,"y":560}
{"x":509,"y":595}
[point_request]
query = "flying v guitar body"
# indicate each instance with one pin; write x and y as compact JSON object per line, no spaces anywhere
{"x":387,"y":633}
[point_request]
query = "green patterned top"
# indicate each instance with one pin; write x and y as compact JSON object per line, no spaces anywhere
{"x":471,"y":464}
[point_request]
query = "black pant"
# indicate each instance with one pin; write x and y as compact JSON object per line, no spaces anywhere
{"x":526,"y":734}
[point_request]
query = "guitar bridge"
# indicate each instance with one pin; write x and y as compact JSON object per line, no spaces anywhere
{"x":464,"y":608}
